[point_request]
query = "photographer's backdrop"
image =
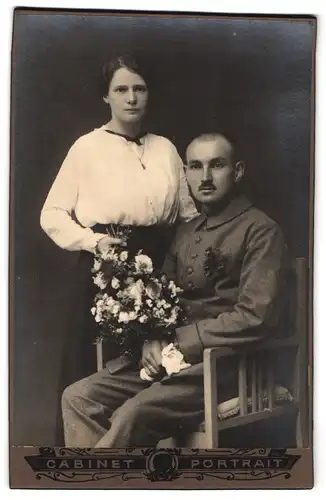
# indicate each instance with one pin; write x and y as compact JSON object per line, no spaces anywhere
{"x":250,"y":78}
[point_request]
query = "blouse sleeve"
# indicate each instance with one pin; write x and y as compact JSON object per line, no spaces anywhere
{"x":187,"y":210}
{"x":56,"y":215}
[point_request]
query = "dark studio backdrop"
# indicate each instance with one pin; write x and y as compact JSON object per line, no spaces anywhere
{"x":246,"y":77}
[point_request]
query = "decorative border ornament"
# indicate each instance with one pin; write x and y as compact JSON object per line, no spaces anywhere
{"x":85,"y":465}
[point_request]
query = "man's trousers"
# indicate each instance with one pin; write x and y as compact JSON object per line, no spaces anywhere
{"x":121,"y":410}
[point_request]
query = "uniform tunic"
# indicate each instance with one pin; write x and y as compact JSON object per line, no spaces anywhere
{"x":233,"y":268}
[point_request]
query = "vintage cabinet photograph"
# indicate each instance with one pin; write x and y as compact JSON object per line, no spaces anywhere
{"x":161,"y":240}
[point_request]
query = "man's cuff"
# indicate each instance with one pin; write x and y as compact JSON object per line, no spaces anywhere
{"x":189,"y":343}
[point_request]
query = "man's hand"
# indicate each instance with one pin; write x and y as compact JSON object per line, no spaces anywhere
{"x":152,"y":357}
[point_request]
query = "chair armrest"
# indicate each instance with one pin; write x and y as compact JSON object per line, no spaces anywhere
{"x":215,"y":353}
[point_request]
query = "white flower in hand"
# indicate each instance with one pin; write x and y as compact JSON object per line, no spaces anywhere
{"x":172,"y":360}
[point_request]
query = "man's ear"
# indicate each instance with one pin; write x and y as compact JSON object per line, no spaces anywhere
{"x":239,"y":171}
{"x":106,"y":99}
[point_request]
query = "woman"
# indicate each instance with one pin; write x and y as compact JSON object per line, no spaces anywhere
{"x":116,"y":174}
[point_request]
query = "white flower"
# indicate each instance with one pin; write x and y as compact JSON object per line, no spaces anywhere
{"x":124,"y":256}
{"x":174,"y":289}
{"x":158,"y":313}
{"x":132,"y":316}
{"x":110,"y":255}
{"x":173,"y":317}
{"x":119,"y":330}
{"x":115,"y":283}
{"x":100,"y":281}
{"x":163,"y":303}
{"x":93,"y":311}
{"x":172,"y":360}
{"x":135,"y":291}
{"x":98,"y":318}
{"x":143,"y":319}
{"x":115,"y":308}
{"x":153,"y":289}
{"x":144,"y":264}
{"x":97,"y":265}
{"x":149,"y":302}
{"x":123,"y":317}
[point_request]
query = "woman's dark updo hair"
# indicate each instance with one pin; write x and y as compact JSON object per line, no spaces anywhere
{"x":127,"y":61}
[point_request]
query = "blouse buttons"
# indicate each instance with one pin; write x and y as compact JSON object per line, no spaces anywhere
{"x":190,"y":270}
{"x":197,"y":239}
{"x":194,"y":256}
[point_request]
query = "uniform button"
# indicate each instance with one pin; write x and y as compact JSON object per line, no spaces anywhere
{"x":190,"y":284}
{"x":198,"y":239}
{"x":190,"y":270}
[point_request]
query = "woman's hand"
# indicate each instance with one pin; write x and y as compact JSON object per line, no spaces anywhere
{"x":104,"y":244}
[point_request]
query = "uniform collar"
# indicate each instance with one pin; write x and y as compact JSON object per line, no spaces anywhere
{"x":236,"y":207}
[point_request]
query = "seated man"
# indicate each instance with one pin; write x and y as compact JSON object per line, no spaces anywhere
{"x":231,"y":262}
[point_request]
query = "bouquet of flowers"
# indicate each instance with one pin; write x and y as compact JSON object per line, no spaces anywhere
{"x":134,"y":303}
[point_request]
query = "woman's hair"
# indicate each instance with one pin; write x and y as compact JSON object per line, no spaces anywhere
{"x":127,"y":61}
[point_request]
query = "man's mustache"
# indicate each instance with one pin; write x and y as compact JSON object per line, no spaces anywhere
{"x":206,"y":185}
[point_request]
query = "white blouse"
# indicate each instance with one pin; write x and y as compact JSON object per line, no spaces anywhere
{"x":107,"y":179}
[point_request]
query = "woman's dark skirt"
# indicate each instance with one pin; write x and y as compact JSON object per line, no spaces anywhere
{"x":79,"y":352}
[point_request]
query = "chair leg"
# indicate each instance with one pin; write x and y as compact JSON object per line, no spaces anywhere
{"x":211,"y":441}
{"x":298,"y":434}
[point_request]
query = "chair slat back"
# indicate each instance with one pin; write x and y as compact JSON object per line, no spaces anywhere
{"x":260,"y":370}
{"x":243,"y":397}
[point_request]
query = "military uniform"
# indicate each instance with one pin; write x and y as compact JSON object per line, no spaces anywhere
{"x":232,"y":267}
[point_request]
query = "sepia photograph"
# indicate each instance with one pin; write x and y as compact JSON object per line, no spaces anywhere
{"x":161,"y":242}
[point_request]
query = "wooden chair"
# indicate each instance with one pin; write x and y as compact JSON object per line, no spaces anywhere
{"x":256,"y":376}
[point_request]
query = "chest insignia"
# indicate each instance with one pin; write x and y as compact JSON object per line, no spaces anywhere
{"x":214,"y":263}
